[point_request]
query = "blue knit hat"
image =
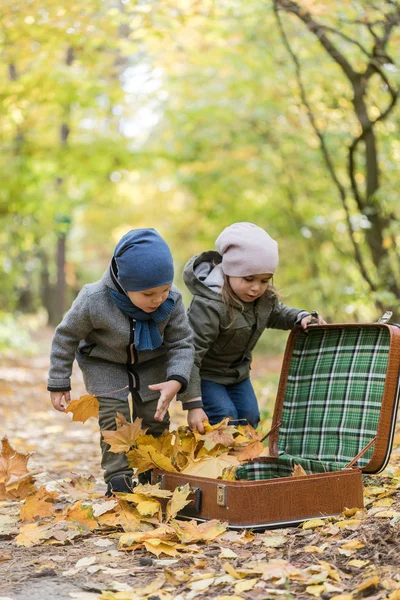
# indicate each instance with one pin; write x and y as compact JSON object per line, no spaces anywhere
{"x":144,"y":260}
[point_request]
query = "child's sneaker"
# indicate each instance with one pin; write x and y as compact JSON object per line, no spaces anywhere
{"x":120,"y":483}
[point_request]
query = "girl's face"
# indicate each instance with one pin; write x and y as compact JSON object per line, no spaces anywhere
{"x":149,"y":300}
{"x":248,"y":289}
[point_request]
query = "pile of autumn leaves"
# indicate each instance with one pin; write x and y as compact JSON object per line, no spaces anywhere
{"x":215,"y":454}
{"x":146,"y":517}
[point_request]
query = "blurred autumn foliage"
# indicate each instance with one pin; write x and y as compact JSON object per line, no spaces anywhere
{"x":188,"y":115}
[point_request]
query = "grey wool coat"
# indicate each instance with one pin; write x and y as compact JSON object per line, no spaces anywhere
{"x":223,"y":345}
{"x":101,"y":338}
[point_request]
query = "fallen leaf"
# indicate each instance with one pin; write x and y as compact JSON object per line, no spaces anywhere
{"x":82,"y":514}
{"x":190,"y":531}
{"x":358,"y":563}
{"x":125,"y":436}
{"x":313,"y":524}
{"x":370,"y":582}
{"x":221,"y":433}
{"x":157,"y":547}
{"x":39,"y":504}
{"x":147,"y":457}
{"x":178,"y":501}
{"x":12,"y":463}
{"x":210,"y":466}
{"x":298,"y":471}
{"x":315,"y":590}
{"x":227,"y":553}
{"x":245,"y":585}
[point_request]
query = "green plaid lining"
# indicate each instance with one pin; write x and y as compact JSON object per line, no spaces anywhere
{"x":332,"y":401}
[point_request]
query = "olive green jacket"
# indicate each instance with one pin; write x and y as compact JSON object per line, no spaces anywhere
{"x":223,"y":346}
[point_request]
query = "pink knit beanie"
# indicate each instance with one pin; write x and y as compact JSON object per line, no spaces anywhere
{"x":246,"y":249}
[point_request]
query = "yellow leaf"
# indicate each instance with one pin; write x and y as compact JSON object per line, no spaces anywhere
{"x":387,"y":514}
{"x":157,"y":547}
{"x":251,"y":450}
{"x":148,"y":507}
{"x":394,"y":595}
{"x":152,"y":587}
{"x":343,"y":597}
{"x":178,"y":501}
{"x":274,"y":541}
{"x":313,"y":524}
{"x":13,"y":464}
{"x":333,"y":574}
{"x":32,"y":534}
{"x":82,"y":514}
{"x":232,"y":571}
{"x":245,"y":585}
{"x":147,"y":457}
{"x":154,"y":491}
{"x":210,"y":467}
{"x":348,"y":523}
{"x":315,"y":549}
{"x":371,"y":582}
{"x":163,"y":444}
{"x":221,"y":433}
{"x":38,"y":505}
{"x":190,"y":531}
{"x":87,"y":406}
{"x":353,"y":545}
{"x":358,"y":563}
{"x":18,"y":488}
{"x":383,"y":502}
{"x":315,"y":590}
{"x":201,"y":584}
{"x":164,"y":532}
{"x":298,"y":471}
{"x":124,"y":437}
{"x":227,"y":553}
{"x":349,"y":512}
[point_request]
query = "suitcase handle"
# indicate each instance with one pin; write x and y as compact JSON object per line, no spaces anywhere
{"x":194,"y":507}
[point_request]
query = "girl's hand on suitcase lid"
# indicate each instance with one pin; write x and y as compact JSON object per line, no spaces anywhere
{"x":196,"y":418}
{"x":315,"y":318}
{"x":168,"y":391}
{"x":60,"y":400}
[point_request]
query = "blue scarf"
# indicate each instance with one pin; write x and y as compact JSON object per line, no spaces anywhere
{"x":147,"y":334}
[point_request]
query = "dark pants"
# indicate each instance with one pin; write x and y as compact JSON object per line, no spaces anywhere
{"x":117,"y":464}
{"x":237,"y":401}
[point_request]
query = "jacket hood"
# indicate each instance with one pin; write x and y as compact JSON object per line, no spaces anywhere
{"x":201,"y":268}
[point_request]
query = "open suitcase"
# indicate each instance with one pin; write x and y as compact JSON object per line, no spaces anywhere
{"x":335,"y":416}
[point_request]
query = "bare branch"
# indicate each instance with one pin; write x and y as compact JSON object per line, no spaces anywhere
{"x":325,"y":152}
{"x":318,"y":30}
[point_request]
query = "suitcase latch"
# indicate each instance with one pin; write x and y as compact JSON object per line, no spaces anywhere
{"x":385,"y":318}
{"x":221,"y":494}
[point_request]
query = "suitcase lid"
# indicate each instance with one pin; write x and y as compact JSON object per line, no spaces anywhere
{"x":338,"y":390}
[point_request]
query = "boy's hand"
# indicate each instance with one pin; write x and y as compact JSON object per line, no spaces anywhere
{"x":168,"y":391}
{"x":60,"y":400}
{"x":195,"y":419}
{"x":310,"y":319}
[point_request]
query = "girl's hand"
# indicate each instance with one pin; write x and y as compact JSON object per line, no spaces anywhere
{"x":310,"y":319}
{"x":60,"y":400}
{"x":195,"y":419}
{"x":168,"y":391}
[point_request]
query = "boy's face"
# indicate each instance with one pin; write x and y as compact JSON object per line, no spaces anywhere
{"x":149,"y":300}
{"x":248,"y":289}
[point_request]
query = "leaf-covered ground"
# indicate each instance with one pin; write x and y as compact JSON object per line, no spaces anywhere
{"x":55,"y":547}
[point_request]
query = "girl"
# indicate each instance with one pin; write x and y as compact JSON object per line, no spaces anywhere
{"x":233,"y":302}
{"x":130,"y":335}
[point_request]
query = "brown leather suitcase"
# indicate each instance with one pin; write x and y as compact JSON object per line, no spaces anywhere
{"x":335,"y":416}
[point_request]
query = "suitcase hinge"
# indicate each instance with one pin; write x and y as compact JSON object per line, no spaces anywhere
{"x":221,"y":494}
